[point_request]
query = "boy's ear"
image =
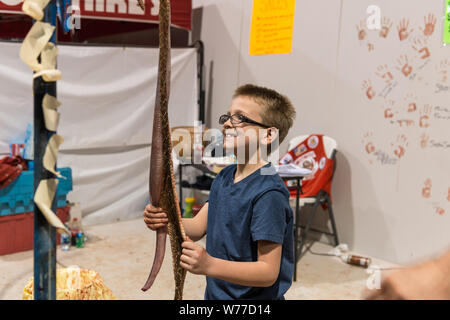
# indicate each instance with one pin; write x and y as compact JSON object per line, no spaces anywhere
{"x":270,"y":135}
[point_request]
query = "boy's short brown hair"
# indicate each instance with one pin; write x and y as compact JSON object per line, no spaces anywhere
{"x":277,"y":109}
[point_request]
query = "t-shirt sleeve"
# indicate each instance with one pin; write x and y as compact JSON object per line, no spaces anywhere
{"x":269,"y":219}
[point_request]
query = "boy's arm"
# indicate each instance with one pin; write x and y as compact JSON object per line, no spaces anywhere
{"x":195,"y":227}
{"x":261,"y":273}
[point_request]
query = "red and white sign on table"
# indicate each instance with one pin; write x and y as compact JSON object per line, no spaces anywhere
{"x":125,"y":10}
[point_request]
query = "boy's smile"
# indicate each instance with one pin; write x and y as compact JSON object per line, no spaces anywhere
{"x":240,"y":135}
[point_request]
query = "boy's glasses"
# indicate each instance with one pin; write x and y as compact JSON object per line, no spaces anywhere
{"x":239,"y":118}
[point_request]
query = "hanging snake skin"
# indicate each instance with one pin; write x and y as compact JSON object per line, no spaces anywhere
{"x":162,"y":180}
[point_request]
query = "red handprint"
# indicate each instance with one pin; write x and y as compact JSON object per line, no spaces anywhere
{"x":388,"y":113}
{"x":384,"y":73}
{"x":362,"y":33}
{"x":443,"y":68}
{"x":430,"y":22}
{"x":404,"y":66}
{"x":403,"y":31}
{"x":439,"y":210}
{"x":412,"y":107}
{"x":411,"y":99}
{"x":368,"y":145}
{"x":426,"y":190}
{"x":425,"y":116}
{"x":421,"y":48}
{"x":424,"y":140}
{"x":400,"y":146}
{"x":388,"y":109}
{"x":386,"y":25}
{"x":367,"y":87}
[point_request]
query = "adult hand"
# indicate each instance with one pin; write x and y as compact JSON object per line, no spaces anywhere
{"x":425,"y":281}
{"x":155,"y":217}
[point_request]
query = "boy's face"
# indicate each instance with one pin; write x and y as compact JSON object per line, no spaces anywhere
{"x":243,"y":138}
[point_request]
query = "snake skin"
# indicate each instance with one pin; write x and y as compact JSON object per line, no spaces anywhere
{"x":162,"y":187}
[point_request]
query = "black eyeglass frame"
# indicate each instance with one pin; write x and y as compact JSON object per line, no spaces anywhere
{"x":242,"y":119}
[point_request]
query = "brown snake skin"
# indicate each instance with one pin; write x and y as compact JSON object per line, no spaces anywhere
{"x":162,"y":187}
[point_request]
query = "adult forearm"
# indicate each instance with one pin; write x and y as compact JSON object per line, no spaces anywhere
{"x":444,"y":262}
{"x":192,"y":229}
{"x":252,"y":274}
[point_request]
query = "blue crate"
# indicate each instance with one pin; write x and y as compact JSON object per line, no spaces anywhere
{"x":17,"y":197}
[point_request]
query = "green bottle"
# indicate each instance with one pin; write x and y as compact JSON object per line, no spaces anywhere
{"x":189,"y":202}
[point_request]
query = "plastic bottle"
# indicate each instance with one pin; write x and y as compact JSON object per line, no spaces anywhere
{"x":74,"y":228}
{"x":65,"y":241}
{"x":356,"y":260}
{"x":28,"y":152}
{"x":80,"y":240}
{"x":188,"y":207}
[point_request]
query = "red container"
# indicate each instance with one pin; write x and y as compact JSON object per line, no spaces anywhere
{"x":16,"y":231}
{"x":196,"y":208}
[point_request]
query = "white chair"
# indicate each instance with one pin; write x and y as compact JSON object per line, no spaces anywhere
{"x":322,"y":197}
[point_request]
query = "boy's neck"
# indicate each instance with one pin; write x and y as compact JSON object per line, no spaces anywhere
{"x":251,"y":165}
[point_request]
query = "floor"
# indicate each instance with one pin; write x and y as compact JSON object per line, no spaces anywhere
{"x":122,"y":253}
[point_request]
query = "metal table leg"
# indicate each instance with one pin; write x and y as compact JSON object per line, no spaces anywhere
{"x":297,"y":223}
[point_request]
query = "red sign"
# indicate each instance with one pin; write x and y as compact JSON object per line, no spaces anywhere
{"x":125,"y":10}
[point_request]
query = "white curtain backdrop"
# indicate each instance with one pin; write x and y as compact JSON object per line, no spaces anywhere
{"x":108,"y":97}
{"x":110,"y":184}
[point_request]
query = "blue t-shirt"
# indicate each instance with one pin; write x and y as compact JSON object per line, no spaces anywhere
{"x":240,"y":214}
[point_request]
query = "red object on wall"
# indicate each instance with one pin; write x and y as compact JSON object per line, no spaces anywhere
{"x":124,"y":10}
{"x":311,"y":154}
{"x":16,"y":231}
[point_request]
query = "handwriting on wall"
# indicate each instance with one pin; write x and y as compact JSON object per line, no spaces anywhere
{"x":272,"y":26}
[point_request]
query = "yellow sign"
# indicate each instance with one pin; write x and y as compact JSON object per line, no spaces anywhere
{"x":272,"y":26}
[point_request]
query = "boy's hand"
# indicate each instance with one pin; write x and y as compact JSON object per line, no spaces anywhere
{"x":154,"y":217}
{"x":194,"y":258}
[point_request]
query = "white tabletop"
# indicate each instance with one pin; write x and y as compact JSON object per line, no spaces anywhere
{"x":291,"y":170}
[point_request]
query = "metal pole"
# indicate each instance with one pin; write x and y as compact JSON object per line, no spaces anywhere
{"x":199,"y":46}
{"x":201,"y":74}
{"x":44,"y":233}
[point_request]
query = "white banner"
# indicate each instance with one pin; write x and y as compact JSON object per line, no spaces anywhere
{"x":107,"y":95}
{"x":110,"y":185}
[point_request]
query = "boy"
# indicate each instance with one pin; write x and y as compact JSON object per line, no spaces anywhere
{"x":247,"y":218}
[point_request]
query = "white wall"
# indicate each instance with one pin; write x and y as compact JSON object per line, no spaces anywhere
{"x":379,"y":207}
